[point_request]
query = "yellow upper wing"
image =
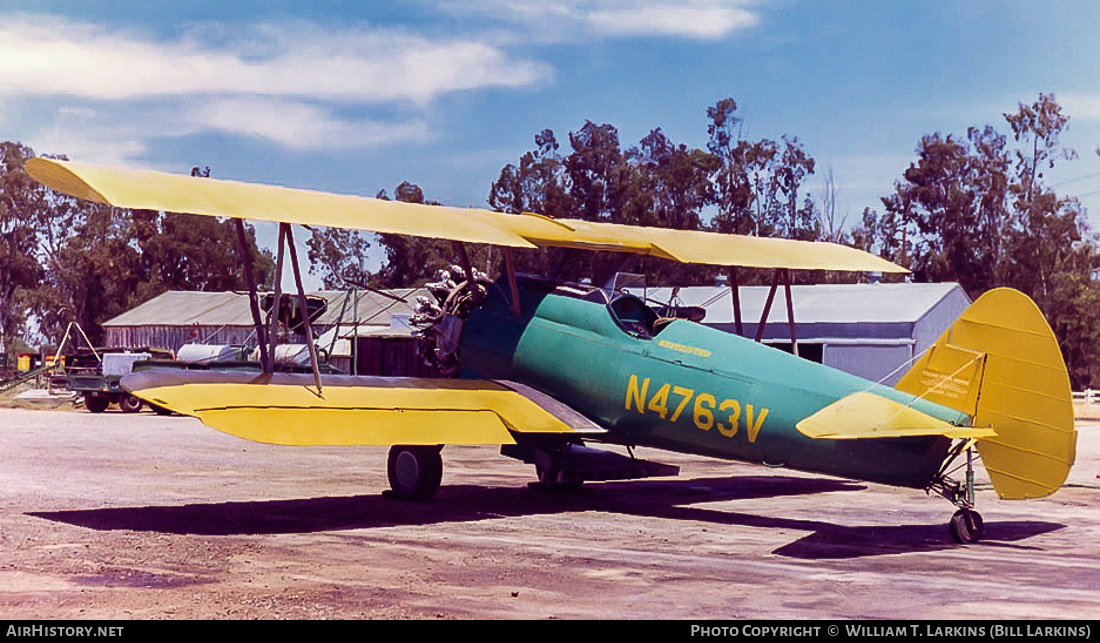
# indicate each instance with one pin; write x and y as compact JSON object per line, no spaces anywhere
{"x":146,"y":189}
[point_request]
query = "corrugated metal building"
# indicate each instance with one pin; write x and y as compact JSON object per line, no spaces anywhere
{"x":872,"y":330}
{"x":175,"y":318}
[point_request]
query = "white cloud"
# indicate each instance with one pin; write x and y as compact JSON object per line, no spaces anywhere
{"x":700,"y":19}
{"x":696,"y":19}
{"x":51,"y":56}
{"x":300,"y":126}
{"x":114,"y":134}
{"x":1085,"y":107}
{"x":112,"y":91}
{"x":84,"y":134}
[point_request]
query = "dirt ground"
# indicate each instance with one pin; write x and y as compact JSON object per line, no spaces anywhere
{"x":116,"y":516}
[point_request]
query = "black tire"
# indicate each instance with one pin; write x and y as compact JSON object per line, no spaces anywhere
{"x":966,"y":526}
{"x":414,"y":472}
{"x":130,"y":403}
{"x":96,"y":403}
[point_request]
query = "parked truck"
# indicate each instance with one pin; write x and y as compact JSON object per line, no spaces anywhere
{"x":95,"y":375}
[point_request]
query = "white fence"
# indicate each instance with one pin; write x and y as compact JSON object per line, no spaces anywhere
{"x":1087,"y":396}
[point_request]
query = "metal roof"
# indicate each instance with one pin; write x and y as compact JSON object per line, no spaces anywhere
{"x":367,"y":307}
{"x":814,"y":304}
{"x":185,"y":308}
{"x":818,"y":303}
{"x":182,"y":308}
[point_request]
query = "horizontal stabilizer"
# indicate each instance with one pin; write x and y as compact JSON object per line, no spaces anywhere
{"x":866,"y":415}
{"x":283,"y":408}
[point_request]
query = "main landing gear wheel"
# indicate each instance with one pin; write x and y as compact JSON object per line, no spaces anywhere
{"x":414,"y":472}
{"x":96,"y":403}
{"x":966,"y":526}
{"x":129,"y":403}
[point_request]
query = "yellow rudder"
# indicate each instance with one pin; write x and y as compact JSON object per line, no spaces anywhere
{"x":1001,"y":364}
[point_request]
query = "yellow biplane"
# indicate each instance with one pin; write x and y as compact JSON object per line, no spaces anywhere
{"x":544,"y":369}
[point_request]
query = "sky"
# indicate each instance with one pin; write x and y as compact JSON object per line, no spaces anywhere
{"x":356,"y":97}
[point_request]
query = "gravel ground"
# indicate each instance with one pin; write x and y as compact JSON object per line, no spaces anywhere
{"x":116,"y":516}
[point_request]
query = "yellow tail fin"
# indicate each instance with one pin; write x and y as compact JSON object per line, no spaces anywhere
{"x":1000,"y":363}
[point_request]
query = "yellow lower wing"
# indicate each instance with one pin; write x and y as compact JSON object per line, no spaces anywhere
{"x":287,"y":409}
{"x":866,"y":415}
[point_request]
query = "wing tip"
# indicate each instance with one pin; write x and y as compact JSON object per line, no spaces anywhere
{"x":58,"y":175}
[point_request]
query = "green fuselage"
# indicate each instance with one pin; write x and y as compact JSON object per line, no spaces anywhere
{"x":685,"y":387}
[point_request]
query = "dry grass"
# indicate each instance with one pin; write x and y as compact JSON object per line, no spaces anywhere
{"x":8,"y":400}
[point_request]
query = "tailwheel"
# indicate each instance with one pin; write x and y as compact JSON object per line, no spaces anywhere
{"x":966,"y":526}
{"x":414,"y":472}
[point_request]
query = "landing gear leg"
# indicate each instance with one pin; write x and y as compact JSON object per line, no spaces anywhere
{"x":414,"y":472}
{"x":966,"y":525}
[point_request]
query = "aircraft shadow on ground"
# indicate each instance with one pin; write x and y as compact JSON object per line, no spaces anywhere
{"x":839,"y":542}
{"x":666,"y":499}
